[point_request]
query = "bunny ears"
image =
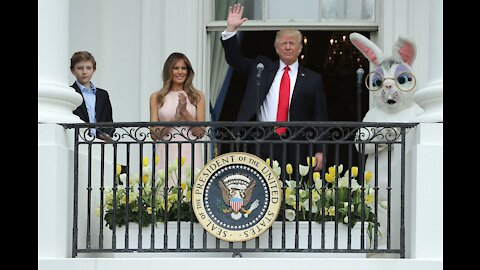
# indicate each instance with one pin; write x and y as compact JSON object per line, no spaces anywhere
{"x":404,"y":49}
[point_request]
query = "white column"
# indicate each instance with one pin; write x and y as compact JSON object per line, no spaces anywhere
{"x":430,"y":97}
{"x":56,"y":99}
{"x":55,"y":191}
{"x":424,"y":195}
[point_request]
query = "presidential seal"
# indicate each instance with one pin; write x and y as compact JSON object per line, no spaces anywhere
{"x":236,"y":197}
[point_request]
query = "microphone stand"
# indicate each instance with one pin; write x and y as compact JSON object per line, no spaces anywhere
{"x":359,"y":112}
{"x":257,"y":95}
{"x":260,"y":68}
{"x":359,"y":93}
{"x":257,"y":88}
{"x":256,"y":148}
{"x":359,"y":96}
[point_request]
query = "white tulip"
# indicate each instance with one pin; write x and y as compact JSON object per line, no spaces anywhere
{"x":306,"y":206}
{"x":147,"y":170}
{"x":123,"y":178}
{"x":275,"y":164}
{"x":303,"y":193}
{"x":277,"y":171}
{"x":290,"y":214}
{"x":384,"y":204}
{"x":303,"y":170}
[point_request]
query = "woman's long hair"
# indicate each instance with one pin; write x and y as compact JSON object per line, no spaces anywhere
{"x":192,"y":92}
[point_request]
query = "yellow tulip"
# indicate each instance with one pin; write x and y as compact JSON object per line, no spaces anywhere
{"x":329,"y":177}
{"x":368,"y":176}
{"x":156,"y":160}
{"x":183,"y":161}
{"x":314,"y":163}
{"x":289,"y":169}
{"x":369,"y":198}
{"x":354,"y":171}
{"x":331,"y":170}
{"x":316,"y":175}
{"x":118,"y":169}
{"x":145,"y":179}
{"x":331,"y":211}
{"x":315,"y":196}
{"x":268,"y":161}
{"x":145,"y":161}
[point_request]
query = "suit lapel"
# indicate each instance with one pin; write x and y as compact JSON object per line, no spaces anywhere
{"x":298,"y":85}
{"x":270,"y":77}
{"x":83,"y":107}
{"x":98,"y":104}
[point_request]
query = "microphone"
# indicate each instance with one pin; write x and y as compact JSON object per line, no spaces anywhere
{"x":260,"y":67}
{"x":360,"y":75}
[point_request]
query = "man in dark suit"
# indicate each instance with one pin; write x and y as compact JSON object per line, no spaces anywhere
{"x":96,"y":106}
{"x":301,"y":99}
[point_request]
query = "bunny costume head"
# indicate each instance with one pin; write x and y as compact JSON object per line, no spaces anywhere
{"x":392,"y":81}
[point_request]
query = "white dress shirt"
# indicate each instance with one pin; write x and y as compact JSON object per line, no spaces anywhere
{"x":268,"y":110}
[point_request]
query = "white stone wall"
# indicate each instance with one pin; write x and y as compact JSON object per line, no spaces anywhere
{"x":130,"y":41}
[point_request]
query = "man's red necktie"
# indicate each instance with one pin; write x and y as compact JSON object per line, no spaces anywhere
{"x":283,"y":100}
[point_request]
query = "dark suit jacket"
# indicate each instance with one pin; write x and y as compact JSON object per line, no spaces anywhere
{"x":103,"y":109}
{"x":308,"y":102}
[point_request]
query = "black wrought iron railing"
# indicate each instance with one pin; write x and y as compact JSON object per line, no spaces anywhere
{"x":132,"y":193}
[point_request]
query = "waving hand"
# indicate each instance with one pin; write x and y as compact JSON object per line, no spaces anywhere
{"x":235,"y":17}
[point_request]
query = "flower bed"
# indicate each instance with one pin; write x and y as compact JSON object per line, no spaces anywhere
{"x":339,"y":196}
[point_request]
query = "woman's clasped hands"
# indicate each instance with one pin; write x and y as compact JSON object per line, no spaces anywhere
{"x":181,"y":107}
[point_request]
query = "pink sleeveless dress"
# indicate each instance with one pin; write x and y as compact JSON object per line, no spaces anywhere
{"x":177,"y":134}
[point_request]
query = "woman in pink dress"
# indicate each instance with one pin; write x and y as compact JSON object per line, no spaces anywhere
{"x":178,"y":100}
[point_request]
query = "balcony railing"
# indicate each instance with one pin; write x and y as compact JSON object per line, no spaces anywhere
{"x":150,"y":175}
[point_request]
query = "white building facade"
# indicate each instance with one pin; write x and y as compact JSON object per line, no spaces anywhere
{"x":131,"y":40}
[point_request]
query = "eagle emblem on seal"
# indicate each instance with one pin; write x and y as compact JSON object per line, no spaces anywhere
{"x":237,"y":191}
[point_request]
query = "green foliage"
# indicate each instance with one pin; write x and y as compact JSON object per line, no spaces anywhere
{"x":339,"y":197}
{"x":146,"y":201}
{"x":146,"y":210}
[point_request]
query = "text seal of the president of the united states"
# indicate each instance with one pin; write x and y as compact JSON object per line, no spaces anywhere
{"x":236,"y":197}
